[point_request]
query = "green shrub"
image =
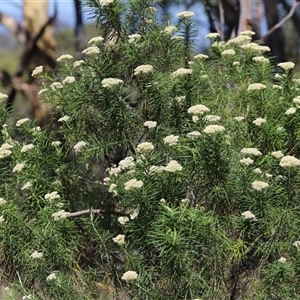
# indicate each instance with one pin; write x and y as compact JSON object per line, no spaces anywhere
{"x":169,"y":176}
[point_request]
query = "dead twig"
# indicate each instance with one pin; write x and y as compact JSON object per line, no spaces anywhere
{"x":94,"y":211}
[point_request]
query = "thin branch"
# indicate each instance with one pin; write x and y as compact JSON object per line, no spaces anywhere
{"x":279,"y":24}
{"x":295,"y":17}
{"x":94,"y":211}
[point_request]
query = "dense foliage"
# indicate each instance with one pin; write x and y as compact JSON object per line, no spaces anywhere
{"x":166,"y":175}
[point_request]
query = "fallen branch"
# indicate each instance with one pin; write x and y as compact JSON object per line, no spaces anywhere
{"x":279,"y":24}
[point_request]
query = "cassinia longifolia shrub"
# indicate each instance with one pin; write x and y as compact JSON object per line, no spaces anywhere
{"x":169,"y":175}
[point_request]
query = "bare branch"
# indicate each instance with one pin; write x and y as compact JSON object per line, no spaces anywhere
{"x":94,"y":211}
{"x":279,"y":24}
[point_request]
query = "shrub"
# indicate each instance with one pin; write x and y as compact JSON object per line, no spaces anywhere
{"x":169,"y":176}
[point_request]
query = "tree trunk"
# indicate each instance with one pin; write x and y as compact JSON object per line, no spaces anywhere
{"x":245,"y":22}
{"x":79,"y":32}
{"x":276,"y":40}
{"x":35,"y":17}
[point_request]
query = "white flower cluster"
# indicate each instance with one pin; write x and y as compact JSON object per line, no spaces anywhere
{"x":134,"y":213}
{"x":114,"y":171}
{"x":56,"y":143}
{"x":2,"y":201}
{"x":247,"y":32}
{"x":111,"y":82}
{"x":170,"y":29}
{"x":256,"y":48}
{"x":289,"y":161}
{"x":173,"y":166}
{"x":4,"y":150}
{"x":256,"y":87}
{"x":96,"y":40}
{"x":127,"y":163}
{"x":78,"y":63}
{"x":150,"y":124}
{"x":123,"y":220}
{"x":259,"y":121}
{"x":239,"y":40}
{"x":290,"y":111}
{"x":228,"y":53}
{"x":211,"y":118}
{"x":21,"y":122}
{"x":282,"y":260}
{"x":259,"y":185}
{"x":182,"y":72}
{"x":133,"y":184}
{"x":239,"y":118}
{"x":277,"y":154}
{"x":246,"y":161}
{"x":3,"y":97}
{"x":106,"y":2}
{"x":212,"y":35}
{"x":198,"y":109}
{"x":211,"y":129}
{"x":156,"y":169}
{"x":250,"y":151}
{"x":133,"y":38}
{"x":26,"y":186}
{"x":144,"y":147}
{"x":27,"y":147}
{"x":62,"y":214}
{"x":55,"y":85}
{"x":69,"y":80}
{"x":248,"y":215}
{"x":18,"y":167}
{"x":52,"y":196}
{"x":286,"y":66}
{"x":93,"y":50}
{"x":261,"y":59}
{"x":129,"y":276}
{"x":143,"y":69}
{"x":64,"y":57}
{"x":193,"y":134}
{"x":297,"y":100}
{"x":63,"y":119}
{"x":296,"y":244}
{"x":171,"y":140}
{"x":185,"y":14}
{"x":112,"y":189}
{"x":201,"y":56}
{"x":42,"y":91}
{"x":52,"y":276}
{"x":36,"y":255}
{"x":37,"y":71}
{"x":79,"y":147}
{"x":119,"y":239}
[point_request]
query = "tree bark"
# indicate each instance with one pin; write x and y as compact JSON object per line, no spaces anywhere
{"x":276,"y":40}
{"x":35,"y":17}
{"x":245,"y":22}
{"x":79,"y":32}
